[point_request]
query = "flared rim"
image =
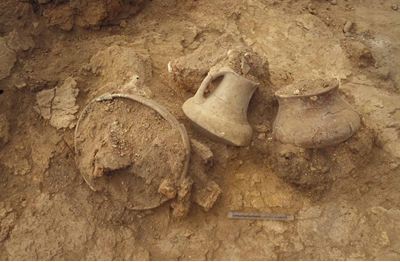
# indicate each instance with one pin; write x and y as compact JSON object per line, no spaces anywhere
{"x":281,"y":92}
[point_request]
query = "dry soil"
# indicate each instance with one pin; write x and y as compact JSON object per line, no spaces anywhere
{"x":58,"y":55}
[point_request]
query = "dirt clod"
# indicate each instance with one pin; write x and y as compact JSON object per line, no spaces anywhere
{"x":8,"y":58}
{"x":88,"y":14}
{"x":207,"y":196}
{"x":228,"y":50}
{"x":59,"y":104}
{"x":360,"y":54}
{"x":348,"y":27}
{"x":204,"y":152}
{"x":4,"y":129}
{"x":20,"y":41}
{"x":61,"y":17}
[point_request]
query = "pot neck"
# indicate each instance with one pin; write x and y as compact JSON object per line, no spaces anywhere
{"x":328,"y":91}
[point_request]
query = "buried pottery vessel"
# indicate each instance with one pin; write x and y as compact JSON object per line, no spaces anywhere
{"x":222,"y":114}
{"x":313,"y":115}
{"x":140,"y":168}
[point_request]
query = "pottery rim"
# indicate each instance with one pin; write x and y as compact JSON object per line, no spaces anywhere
{"x":335,"y":86}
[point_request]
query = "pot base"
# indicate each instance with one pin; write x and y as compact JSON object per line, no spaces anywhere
{"x":216,"y":127}
{"x":324,"y":132}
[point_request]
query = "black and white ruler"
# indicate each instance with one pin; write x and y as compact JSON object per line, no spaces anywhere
{"x":261,"y":216}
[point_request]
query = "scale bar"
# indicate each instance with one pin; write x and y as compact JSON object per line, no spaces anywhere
{"x":260,"y":216}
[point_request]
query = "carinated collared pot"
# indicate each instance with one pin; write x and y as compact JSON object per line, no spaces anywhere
{"x":312,"y":114}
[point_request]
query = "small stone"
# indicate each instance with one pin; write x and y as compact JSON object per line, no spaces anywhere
{"x":123,"y":24}
{"x":334,"y":2}
{"x":261,"y":128}
{"x":19,"y":83}
{"x":395,"y":7}
{"x":296,"y":92}
{"x":166,"y":188}
{"x":261,"y":136}
{"x":348,"y":27}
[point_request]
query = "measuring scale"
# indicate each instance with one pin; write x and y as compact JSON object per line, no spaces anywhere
{"x":260,"y":216}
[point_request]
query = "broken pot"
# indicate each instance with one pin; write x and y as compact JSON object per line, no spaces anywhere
{"x":131,"y":149}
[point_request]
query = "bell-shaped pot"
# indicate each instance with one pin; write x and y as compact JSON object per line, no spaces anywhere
{"x":313,"y":115}
{"x":222,"y":114}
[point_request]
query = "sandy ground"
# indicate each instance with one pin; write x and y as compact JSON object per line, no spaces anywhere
{"x":56,"y":56}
